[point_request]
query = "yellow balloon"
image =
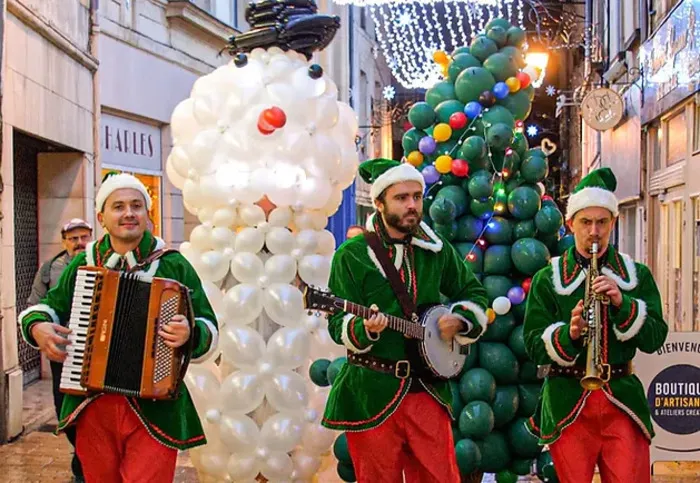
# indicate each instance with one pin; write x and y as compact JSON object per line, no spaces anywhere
{"x":513,"y":84}
{"x":442,"y":132}
{"x":443,"y":164}
{"x":440,"y":57}
{"x":415,"y":158}
{"x":491,"y":315}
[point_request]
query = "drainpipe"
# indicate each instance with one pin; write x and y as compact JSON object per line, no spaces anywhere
{"x":587,"y":41}
{"x":93,"y":41}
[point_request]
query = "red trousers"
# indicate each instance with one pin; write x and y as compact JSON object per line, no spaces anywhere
{"x":604,"y":435}
{"x":115,"y":447}
{"x":415,"y":440}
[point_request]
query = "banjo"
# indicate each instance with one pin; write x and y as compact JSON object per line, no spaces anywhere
{"x":442,"y":359}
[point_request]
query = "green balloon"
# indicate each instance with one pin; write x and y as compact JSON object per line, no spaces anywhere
{"x":535,"y":152}
{"x":497,"y":286}
{"x":482,"y":47}
{"x":550,"y":240}
{"x":528,"y":373}
{"x":518,"y":311}
{"x":421,"y":115}
{"x":460,"y":50}
{"x":499,"y":115}
{"x":457,"y":403}
{"x":410,"y":140}
{"x":346,"y":472}
{"x":476,"y":420}
{"x":447,"y":230}
{"x":501,"y":66}
{"x":469,"y":363}
{"x":498,"y":35}
{"x":442,"y":211}
{"x":446,"y":108}
{"x":500,"y":361}
{"x":530,"y":91}
{"x":516,"y":36}
{"x":522,"y":442}
{"x":474,"y":147}
{"x":505,"y":405}
{"x":472,"y":82}
{"x":459,"y":63}
{"x":478,"y":164}
{"x":534,"y":169}
{"x":548,"y":220}
{"x":515,"y":55}
{"x":477,"y":385}
{"x":513,"y":183}
{"x":565,"y":243}
{"x":440,"y":92}
{"x":334,"y":368}
{"x":448,"y":148}
{"x":521,"y":467}
{"x":476,"y":261}
{"x":545,"y":468}
{"x":516,"y":342}
{"x":529,"y":255}
{"x":495,"y":454}
{"x":449,"y":179}
{"x":512,"y":161}
{"x":524,"y":202}
{"x":506,"y":476}
{"x":529,"y":395}
{"x":498,"y":22}
{"x":499,"y":329}
{"x":519,"y":104}
{"x":468,"y":456}
{"x":499,"y":231}
{"x":539,"y":189}
{"x":318,"y":372}
{"x":499,"y":136}
{"x":455,"y":194}
{"x":497,"y":260}
{"x":469,"y":228}
{"x":340,"y":449}
{"x":481,"y":208}
{"x":520,"y":144}
{"x":481,"y":185}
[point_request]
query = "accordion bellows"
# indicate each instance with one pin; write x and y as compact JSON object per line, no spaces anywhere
{"x":115,"y":346}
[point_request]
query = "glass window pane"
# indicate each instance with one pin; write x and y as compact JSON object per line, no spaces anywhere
{"x":677,"y":138}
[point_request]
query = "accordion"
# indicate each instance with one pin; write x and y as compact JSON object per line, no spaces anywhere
{"x":115,"y":346}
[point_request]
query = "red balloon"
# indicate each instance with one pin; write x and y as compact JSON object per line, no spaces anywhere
{"x":524,"y":79}
{"x":547,"y":198}
{"x":458,"y":120}
{"x":526,"y":284}
{"x":265,"y":128}
{"x":275,"y":117}
{"x":460,"y":168}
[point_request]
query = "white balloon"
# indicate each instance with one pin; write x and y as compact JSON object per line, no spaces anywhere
{"x":249,"y":240}
{"x":201,"y":381}
{"x":307,"y":241}
{"x":214,"y":295}
{"x":280,"y":217}
{"x":334,"y":201}
{"x":315,"y":270}
{"x":247,"y":267}
{"x":242,"y":392}
{"x":305,"y":465}
{"x":314,"y":193}
{"x":242,"y":346}
{"x":286,"y":391}
{"x":182,"y":122}
{"x":243,"y":466}
{"x":205,"y":215}
{"x":251,"y":215}
{"x":177,"y":180}
{"x":284,"y":304}
{"x":325,"y":243}
{"x":288,"y":348}
{"x":279,"y":241}
{"x":501,"y":305}
{"x":202,"y":149}
{"x":200,"y":238}
{"x":278,"y":466}
{"x":221,"y":238}
{"x":323,"y":346}
{"x":239,"y":433}
{"x":281,"y":269}
{"x":213,"y":461}
{"x":281,"y":432}
{"x":213,"y":266}
{"x":243,"y":303}
{"x":225,"y":217}
{"x":317,"y":439}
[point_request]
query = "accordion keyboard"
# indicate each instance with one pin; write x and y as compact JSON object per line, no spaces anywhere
{"x":78,"y":324}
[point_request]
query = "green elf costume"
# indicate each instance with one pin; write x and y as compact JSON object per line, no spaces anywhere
{"x":153,"y":426}
{"x":396,"y":420}
{"x":610,"y":427}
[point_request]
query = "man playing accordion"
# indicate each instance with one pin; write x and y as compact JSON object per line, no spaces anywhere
{"x":126,"y":438}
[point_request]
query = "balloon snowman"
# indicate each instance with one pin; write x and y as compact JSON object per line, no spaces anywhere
{"x":262,"y":150}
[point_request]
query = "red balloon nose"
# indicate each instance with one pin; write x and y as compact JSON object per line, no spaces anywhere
{"x":271,"y":119}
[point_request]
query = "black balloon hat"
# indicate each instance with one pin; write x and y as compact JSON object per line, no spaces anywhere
{"x":287,"y":24}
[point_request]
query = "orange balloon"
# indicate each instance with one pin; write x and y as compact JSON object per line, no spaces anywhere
{"x":415,"y":158}
{"x":442,"y":132}
{"x":440,"y":57}
{"x":491,"y":315}
{"x":443,"y":164}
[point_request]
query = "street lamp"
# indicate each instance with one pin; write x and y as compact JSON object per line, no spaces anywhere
{"x":537,"y":61}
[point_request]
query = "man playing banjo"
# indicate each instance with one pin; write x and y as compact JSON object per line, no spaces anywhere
{"x":396,"y":412}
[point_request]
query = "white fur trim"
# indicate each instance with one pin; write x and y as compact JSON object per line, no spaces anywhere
{"x":346,"y":340}
{"x":631,"y":270}
{"x":373,"y":338}
{"x":131,"y":259}
{"x":636,"y":326}
{"x":112,"y":261}
{"x":557,"y":281}
{"x":117,"y":182}
{"x":397,"y":174}
{"x":397,"y":261}
{"x":547,"y":337}
{"x":481,"y":318}
{"x":434,"y":246}
{"x":151,"y":272}
{"x":214,"y":340}
{"x":90,"y":253}
{"x":37,"y":308}
{"x":589,"y":197}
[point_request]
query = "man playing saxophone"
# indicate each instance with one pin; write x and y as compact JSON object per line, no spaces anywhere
{"x":587,"y":315}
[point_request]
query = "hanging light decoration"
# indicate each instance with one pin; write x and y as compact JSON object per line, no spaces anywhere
{"x":409,"y":32}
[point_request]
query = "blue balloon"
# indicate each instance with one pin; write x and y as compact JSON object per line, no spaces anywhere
{"x":501,"y":90}
{"x":472,"y":109}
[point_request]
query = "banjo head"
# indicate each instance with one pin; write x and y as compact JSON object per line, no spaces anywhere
{"x":445,"y":359}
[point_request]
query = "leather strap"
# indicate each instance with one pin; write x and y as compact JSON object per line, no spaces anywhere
{"x":399,"y":369}
{"x":408,"y":306}
{"x":577,"y":372}
{"x":152,"y":258}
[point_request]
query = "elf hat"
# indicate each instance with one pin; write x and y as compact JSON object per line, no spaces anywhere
{"x":115,"y":181}
{"x":382,"y":173}
{"x":595,"y":189}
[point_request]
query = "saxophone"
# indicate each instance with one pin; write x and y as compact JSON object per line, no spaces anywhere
{"x":597,"y":373}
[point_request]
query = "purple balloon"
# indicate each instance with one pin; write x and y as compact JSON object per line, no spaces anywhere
{"x":516,"y":295}
{"x":427,"y":145}
{"x":430,"y":174}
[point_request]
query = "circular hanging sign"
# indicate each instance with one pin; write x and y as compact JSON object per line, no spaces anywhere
{"x":602,"y":109}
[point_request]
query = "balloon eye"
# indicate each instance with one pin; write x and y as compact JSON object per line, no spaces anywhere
{"x":315,"y":71}
{"x":241,"y":60}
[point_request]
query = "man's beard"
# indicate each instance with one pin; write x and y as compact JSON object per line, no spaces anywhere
{"x":394,"y":221}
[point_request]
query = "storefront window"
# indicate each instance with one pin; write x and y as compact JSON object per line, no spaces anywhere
{"x":654,"y":137}
{"x":153,"y":185}
{"x":677,"y":138}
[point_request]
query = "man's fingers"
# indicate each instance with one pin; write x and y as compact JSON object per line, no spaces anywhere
{"x":168,"y":337}
{"x":58,"y":340}
{"x":60,"y":329}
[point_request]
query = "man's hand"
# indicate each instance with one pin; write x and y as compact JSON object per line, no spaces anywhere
{"x":377,"y":322}
{"x":607,"y":286}
{"x":578,"y":322}
{"x":176,"y":332}
{"x":46,"y":335}
{"x":450,"y":325}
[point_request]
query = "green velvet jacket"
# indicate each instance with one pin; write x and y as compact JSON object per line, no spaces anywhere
{"x":637,"y":324}
{"x":361,"y":398}
{"x":173,"y":423}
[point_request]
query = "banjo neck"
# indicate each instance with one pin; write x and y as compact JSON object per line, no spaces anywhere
{"x":406,"y":327}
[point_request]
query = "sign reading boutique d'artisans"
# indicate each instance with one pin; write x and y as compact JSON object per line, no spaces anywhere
{"x":671,"y":379}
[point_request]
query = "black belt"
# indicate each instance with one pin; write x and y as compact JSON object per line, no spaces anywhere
{"x":399,"y":369}
{"x":616,"y":370}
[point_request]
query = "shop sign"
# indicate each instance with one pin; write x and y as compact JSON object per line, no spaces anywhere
{"x":130,"y":144}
